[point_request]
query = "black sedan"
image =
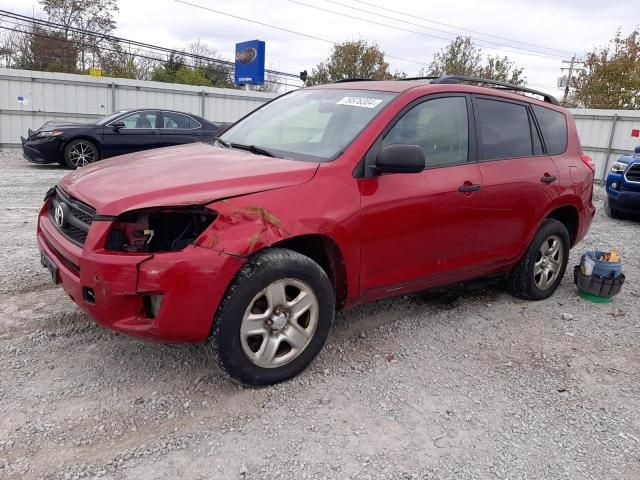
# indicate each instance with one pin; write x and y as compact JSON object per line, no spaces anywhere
{"x":126,"y":131}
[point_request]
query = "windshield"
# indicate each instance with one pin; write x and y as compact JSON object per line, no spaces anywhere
{"x":107,"y":118}
{"x":315,"y":125}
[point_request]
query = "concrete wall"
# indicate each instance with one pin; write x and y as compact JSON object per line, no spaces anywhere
{"x":606,"y":135}
{"x":66,"y":97}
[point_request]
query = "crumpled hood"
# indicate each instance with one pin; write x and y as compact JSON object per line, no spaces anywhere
{"x":194,"y":174}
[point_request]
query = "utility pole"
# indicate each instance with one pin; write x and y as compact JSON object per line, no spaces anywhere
{"x":571,"y":63}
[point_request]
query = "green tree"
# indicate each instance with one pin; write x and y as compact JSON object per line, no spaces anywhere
{"x":463,"y":57}
{"x":184,"y":74}
{"x":611,"y":75}
{"x":204,"y":60}
{"x":352,"y":59}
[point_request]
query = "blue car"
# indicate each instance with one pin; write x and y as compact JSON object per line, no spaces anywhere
{"x":623,"y":186}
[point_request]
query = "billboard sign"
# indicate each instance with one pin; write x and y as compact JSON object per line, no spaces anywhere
{"x":250,"y":63}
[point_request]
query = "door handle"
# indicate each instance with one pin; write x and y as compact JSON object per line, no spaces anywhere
{"x":468,"y":188}
{"x":548,"y":178}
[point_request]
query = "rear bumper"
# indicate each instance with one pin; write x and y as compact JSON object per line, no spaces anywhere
{"x":43,"y":151}
{"x":192,"y":283}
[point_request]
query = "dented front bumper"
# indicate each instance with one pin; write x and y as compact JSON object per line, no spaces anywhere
{"x":114,"y":288}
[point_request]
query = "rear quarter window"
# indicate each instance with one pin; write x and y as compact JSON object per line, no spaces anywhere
{"x":554,"y":129}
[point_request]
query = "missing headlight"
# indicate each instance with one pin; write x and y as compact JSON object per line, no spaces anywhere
{"x":160,"y":230}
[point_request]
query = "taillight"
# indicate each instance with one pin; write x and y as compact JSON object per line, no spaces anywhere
{"x":588,"y":161}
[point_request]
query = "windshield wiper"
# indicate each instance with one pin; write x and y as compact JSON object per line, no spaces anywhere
{"x":254,"y":149}
{"x":224,"y":143}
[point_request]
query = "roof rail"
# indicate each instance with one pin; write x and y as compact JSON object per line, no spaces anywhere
{"x":502,"y":85}
{"x":420,"y":78}
{"x":342,"y":80}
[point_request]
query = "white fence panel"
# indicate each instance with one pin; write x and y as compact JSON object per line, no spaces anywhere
{"x":606,"y":135}
{"x":28,"y":99}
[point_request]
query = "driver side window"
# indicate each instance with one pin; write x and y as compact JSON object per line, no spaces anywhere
{"x":140,"y":120}
{"x":439,"y":126}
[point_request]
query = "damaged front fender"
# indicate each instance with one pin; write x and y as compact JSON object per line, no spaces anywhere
{"x":241,"y":229}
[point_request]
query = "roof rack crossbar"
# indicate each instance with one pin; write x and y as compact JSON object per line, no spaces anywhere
{"x":502,"y":85}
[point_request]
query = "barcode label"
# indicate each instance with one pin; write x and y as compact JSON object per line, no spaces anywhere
{"x":363,"y":102}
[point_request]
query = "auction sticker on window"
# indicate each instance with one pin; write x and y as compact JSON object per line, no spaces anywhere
{"x":360,"y":102}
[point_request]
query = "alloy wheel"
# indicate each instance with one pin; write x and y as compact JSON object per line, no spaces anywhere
{"x":548,"y":262}
{"x":81,"y":154}
{"x":279,"y":323}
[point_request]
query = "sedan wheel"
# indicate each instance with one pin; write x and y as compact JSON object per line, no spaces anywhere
{"x":80,"y":153}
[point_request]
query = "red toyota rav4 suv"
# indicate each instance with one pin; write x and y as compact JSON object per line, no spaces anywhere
{"x":321,"y":199}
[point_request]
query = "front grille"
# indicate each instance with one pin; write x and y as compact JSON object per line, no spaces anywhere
{"x":633,"y":173}
{"x":73,"y":217}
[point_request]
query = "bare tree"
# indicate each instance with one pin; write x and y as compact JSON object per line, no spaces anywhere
{"x":8,"y":46}
{"x":83,"y":21}
{"x":215,"y":71}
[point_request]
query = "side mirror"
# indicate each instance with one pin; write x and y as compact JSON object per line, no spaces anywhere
{"x":398,"y":158}
{"x":118,"y":125}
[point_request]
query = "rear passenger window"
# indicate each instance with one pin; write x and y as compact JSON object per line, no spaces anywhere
{"x":554,"y":129}
{"x":504,"y":129}
{"x":439,"y":126}
{"x":176,"y":120}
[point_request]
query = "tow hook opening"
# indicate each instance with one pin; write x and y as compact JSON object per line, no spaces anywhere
{"x":151,"y":305}
{"x":88,"y":295}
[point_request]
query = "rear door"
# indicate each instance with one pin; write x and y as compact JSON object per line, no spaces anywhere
{"x":519,"y":180}
{"x":178,"y":128}
{"x":140,"y":132}
{"x":419,"y":226}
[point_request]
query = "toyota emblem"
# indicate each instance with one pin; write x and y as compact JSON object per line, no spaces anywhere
{"x":59,"y":215}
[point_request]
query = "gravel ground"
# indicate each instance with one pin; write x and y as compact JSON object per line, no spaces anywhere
{"x":484,"y":386}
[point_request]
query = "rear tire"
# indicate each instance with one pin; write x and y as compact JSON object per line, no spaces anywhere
{"x":274,"y":319}
{"x":79,"y":153}
{"x":541,"y":269}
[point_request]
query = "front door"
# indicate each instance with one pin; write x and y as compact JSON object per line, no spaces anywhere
{"x":140,"y":132}
{"x":420,"y":226}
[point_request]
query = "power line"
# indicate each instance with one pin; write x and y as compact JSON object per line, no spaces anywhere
{"x":47,"y":23}
{"x":457,"y":28}
{"x":404,"y":29}
{"x":107,"y":49}
{"x":488,"y":43}
{"x":313,"y":37}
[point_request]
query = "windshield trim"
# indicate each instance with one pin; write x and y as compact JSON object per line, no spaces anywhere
{"x":287,"y":155}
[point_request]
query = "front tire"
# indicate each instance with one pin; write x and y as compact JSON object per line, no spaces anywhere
{"x":541,"y":269}
{"x":274,"y":320}
{"x":79,"y":153}
{"x":609,"y":210}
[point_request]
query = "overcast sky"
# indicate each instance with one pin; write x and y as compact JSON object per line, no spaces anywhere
{"x":563,"y":27}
